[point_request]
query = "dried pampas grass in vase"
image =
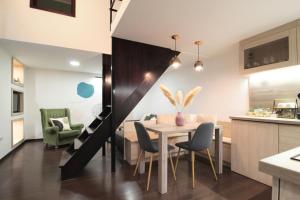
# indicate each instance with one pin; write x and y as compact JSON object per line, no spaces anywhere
{"x":179,"y":102}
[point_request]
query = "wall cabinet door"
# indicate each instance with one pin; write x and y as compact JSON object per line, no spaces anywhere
{"x":263,"y":142}
{"x":251,"y":142}
{"x":270,"y":50}
{"x":239,"y":147}
{"x":289,"y":137}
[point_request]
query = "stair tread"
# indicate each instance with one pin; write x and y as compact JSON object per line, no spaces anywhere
{"x":100,"y":117}
{"x":89,"y":130}
{"x":77,"y":143}
{"x":65,"y":156}
{"x":83,"y":137}
{"x":81,"y":140}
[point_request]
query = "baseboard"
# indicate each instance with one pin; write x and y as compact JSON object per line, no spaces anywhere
{"x":19,"y":146}
{"x":34,"y":140}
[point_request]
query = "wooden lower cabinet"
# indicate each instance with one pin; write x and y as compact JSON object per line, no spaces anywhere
{"x":251,"y":142}
{"x":289,"y":137}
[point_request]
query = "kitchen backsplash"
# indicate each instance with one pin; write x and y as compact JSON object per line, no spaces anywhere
{"x":266,"y":86}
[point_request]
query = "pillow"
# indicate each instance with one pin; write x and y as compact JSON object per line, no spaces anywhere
{"x":62,"y":123}
{"x":150,"y":117}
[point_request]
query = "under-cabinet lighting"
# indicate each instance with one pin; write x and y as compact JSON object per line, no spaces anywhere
{"x":276,"y":75}
{"x":74,"y":63}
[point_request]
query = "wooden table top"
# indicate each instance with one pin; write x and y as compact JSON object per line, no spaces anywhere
{"x":169,"y":128}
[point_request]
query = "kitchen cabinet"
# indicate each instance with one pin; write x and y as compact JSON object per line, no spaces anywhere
{"x":289,"y":137}
{"x":251,"y":142}
{"x":269,"y":50}
{"x":255,"y":138}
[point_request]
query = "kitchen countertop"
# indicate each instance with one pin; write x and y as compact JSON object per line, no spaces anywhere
{"x":282,"y":166}
{"x":267,"y":120}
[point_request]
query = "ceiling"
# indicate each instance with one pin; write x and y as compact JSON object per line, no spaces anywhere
{"x":51,"y":57}
{"x":220,"y":24}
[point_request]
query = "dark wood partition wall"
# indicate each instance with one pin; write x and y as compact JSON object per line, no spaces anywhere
{"x":136,"y":67}
{"x":106,"y":80}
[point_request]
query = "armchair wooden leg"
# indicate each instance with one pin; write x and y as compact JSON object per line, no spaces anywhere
{"x":176,"y":164}
{"x":149,"y":172}
{"x":172,"y":165}
{"x":211,"y":164}
{"x":193,"y":168}
{"x":138,"y":163}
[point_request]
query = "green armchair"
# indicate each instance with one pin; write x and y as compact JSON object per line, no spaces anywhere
{"x":52,"y":135}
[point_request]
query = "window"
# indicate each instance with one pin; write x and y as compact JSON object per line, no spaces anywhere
{"x":65,"y":7}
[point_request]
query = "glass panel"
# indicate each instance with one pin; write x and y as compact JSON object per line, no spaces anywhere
{"x":269,"y":53}
{"x":65,"y":7}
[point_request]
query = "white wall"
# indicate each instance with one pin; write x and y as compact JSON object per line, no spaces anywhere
{"x":5,"y":103}
{"x":225,"y":91}
{"x":2,"y":14}
{"x":89,"y":30}
{"x":58,"y":89}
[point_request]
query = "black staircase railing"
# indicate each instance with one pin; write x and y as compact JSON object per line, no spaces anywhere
{"x":112,"y":10}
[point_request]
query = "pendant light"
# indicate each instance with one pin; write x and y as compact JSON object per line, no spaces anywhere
{"x":198,"y":66}
{"x":175,"y":61}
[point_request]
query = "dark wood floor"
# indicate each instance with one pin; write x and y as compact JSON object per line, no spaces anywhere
{"x":31,"y":173}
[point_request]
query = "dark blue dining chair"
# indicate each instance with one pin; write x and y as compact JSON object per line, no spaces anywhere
{"x":200,"y":141}
{"x":146,"y":145}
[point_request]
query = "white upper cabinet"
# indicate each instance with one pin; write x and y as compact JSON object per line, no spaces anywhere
{"x":269,"y":50}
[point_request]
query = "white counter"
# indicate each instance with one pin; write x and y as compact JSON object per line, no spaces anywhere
{"x":285,"y":172}
{"x":282,"y":166}
{"x":267,"y":120}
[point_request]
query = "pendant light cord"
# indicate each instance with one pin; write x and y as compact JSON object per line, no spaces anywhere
{"x":198,"y":52}
{"x":175,"y":48}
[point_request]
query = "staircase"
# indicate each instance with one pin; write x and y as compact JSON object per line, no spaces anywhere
{"x":78,"y":154}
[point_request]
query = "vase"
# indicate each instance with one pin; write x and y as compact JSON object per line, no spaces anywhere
{"x":179,"y":120}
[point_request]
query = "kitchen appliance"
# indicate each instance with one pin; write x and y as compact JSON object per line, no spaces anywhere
{"x":285,"y":108}
{"x":298,"y":113}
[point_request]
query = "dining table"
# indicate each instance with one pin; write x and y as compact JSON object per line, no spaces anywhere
{"x":165,"y":131}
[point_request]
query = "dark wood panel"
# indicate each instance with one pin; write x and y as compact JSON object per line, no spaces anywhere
{"x":136,"y":67}
{"x":106,"y":80}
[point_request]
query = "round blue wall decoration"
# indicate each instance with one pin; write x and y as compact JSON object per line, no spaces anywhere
{"x":85,"y":90}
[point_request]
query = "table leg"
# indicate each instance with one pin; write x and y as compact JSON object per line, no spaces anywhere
{"x":163,"y":164}
{"x":190,"y":138}
{"x":275,"y":188}
{"x":219,"y":150}
{"x":142,"y":164}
